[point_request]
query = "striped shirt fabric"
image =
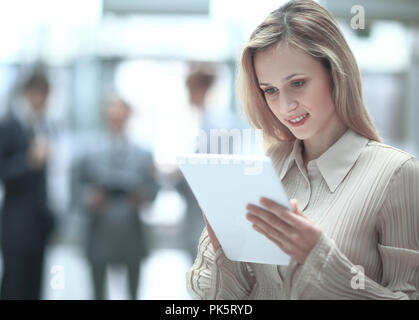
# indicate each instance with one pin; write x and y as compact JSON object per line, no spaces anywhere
{"x":364,"y":195}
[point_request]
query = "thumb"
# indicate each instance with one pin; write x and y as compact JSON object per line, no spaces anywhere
{"x":295,"y":207}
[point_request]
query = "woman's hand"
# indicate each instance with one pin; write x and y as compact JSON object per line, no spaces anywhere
{"x":293,"y":232}
{"x":212,"y":236}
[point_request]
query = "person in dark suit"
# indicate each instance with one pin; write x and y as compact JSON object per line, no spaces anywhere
{"x":199,"y":82}
{"x":114,"y":180}
{"x":26,"y":220}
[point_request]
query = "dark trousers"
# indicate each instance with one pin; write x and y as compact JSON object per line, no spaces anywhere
{"x":22,"y":275}
{"x":99,"y":276}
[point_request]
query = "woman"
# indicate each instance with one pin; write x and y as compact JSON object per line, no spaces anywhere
{"x":354,"y":230}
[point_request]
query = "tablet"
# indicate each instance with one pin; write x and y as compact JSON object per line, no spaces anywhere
{"x":223,"y":185}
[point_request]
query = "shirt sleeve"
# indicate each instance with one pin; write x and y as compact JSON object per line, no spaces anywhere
{"x":330,"y":271}
{"x":214,"y":277}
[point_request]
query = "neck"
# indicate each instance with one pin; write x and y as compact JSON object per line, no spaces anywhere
{"x":315,"y":146}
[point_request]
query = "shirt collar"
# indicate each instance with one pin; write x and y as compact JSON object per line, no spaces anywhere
{"x":335,"y":163}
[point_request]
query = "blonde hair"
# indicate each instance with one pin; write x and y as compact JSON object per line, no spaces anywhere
{"x":306,"y":25}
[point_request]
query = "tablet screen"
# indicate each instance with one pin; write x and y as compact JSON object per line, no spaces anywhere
{"x":223,"y":185}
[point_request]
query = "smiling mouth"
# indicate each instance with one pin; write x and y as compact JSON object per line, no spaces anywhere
{"x":299,"y":119}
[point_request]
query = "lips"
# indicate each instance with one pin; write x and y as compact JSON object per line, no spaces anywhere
{"x":297,"y":116}
{"x":302,"y":119}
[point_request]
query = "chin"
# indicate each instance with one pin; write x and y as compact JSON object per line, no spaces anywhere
{"x":301,"y":135}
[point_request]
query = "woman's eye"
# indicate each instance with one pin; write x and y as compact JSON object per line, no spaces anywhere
{"x":270,"y":90}
{"x":298,"y":83}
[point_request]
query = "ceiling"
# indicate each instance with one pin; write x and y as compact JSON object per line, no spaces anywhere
{"x":200,"y":7}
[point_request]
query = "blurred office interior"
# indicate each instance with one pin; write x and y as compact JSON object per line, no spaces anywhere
{"x":142,"y":51}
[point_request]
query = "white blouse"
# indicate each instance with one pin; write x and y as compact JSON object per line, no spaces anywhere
{"x":364,"y":195}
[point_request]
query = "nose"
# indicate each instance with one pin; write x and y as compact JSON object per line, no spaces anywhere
{"x":287,"y":105}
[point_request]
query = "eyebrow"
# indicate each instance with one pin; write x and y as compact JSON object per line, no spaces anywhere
{"x":284,"y":79}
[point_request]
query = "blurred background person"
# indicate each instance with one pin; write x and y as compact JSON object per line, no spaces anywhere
{"x":199,"y":82}
{"x":145,"y":51}
{"x":116,"y":179}
{"x":26,"y":219}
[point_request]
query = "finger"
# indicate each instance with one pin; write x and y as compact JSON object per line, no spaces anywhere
{"x":295,"y":207}
{"x":277,"y":241}
{"x":282,"y":212}
{"x":285,"y":246}
{"x":211,"y":234}
{"x":209,"y":229}
{"x":268,"y":228}
{"x":270,"y":203}
{"x":269,"y":218}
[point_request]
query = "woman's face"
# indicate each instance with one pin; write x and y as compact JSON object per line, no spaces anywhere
{"x":297,"y":90}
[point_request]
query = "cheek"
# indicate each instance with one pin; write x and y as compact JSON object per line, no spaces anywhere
{"x":273,"y":105}
{"x":318,"y":101}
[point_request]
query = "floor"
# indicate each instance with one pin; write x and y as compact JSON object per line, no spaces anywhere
{"x":67,"y":276}
{"x":162,"y":274}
